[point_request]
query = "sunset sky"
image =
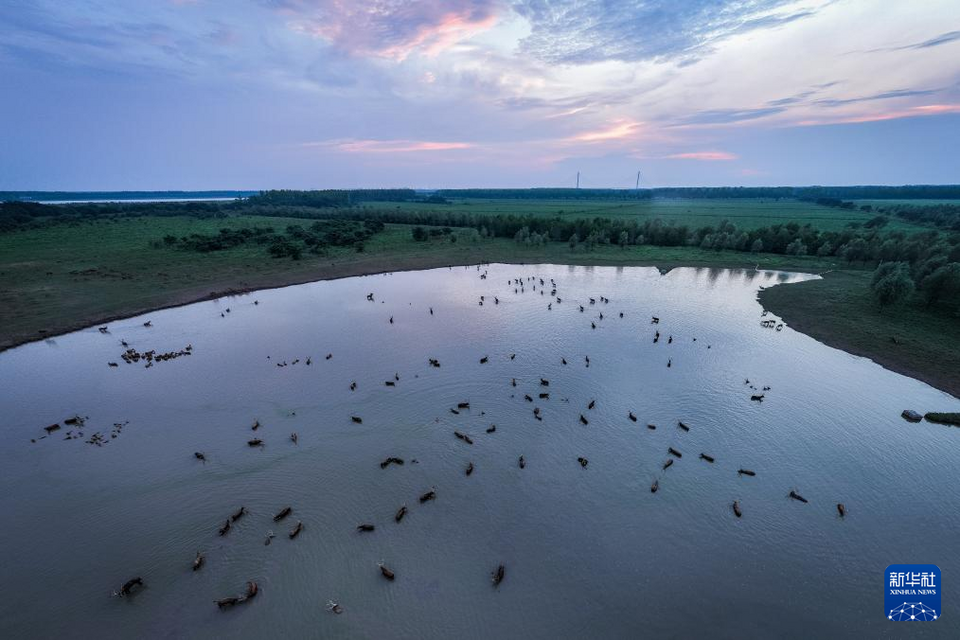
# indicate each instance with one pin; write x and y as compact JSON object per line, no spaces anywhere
{"x":250,"y":94}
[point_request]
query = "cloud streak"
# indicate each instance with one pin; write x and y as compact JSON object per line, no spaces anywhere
{"x":886,"y":95}
{"x":936,"y":41}
{"x":586,"y":31}
{"x":729,"y":116}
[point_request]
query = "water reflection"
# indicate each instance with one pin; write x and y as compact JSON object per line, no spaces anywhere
{"x":588,"y":551}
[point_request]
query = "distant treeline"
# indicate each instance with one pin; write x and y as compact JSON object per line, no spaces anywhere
{"x":547,"y":194}
{"x":329,"y":197}
{"x":946,"y":216}
{"x":905,"y":192}
{"x":326,"y":204}
{"x":348,"y":197}
{"x":943,"y":215}
{"x":16,"y":215}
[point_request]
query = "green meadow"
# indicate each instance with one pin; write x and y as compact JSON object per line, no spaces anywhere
{"x":745,"y":213}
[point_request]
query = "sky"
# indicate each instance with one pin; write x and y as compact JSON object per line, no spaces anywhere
{"x":257,"y":94}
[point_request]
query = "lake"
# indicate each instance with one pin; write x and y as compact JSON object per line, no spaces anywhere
{"x":588,"y":551}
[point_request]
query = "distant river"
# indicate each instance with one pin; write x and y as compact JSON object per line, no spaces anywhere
{"x":135,"y":200}
{"x":589,"y":552}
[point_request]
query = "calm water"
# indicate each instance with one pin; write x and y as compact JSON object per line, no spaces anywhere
{"x":589,"y":552}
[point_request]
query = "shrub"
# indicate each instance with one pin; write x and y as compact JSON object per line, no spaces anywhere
{"x":942,"y":284}
{"x":797,"y":248}
{"x":891,"y":283}
{"x":282,"y":247}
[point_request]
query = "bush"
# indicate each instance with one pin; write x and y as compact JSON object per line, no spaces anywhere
{"x":226,"y":239}
{"x":942,"y":284}
{"x":796,"y":248}
{"x":282,"y":247}
{"x":891,"y":283}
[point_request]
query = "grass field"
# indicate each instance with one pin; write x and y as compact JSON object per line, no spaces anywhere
{"x":66,"y":277}
{"x":744,"y":213}
{"x":839,"y":311}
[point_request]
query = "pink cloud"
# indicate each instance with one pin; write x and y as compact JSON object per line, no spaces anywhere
{"x":935,"y":109}
{"x":618,"y":130}
{"x":710,"y":156}
{"x":433,"y":39}
{"x":390,"y":29}
{"x":912,"y":112}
